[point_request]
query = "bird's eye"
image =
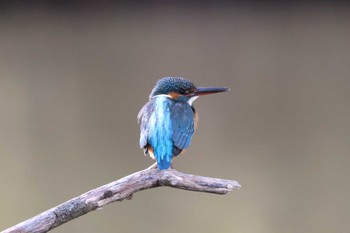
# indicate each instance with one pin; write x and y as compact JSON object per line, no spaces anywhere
{"x":186,"y":91}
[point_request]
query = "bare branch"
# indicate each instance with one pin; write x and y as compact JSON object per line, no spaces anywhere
{"x":119,"y":190}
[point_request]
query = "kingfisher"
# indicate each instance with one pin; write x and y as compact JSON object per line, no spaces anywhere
{"x":168,"y":120}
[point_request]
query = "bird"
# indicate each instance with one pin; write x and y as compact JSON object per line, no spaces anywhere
{"x":168,"y":120}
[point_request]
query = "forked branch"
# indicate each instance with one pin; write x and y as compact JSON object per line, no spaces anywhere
{"x":119,"y":190}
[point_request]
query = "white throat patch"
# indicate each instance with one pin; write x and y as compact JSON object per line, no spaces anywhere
{"x":190,"y":101}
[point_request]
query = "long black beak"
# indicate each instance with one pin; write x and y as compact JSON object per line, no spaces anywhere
{"x":208,"y":90}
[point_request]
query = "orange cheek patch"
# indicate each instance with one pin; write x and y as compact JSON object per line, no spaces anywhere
{"x":174,"y":95}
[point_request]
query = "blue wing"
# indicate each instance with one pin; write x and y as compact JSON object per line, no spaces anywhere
{"x":182,"y":118}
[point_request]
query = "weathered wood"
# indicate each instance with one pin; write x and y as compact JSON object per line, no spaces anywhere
{"x":119,"y":190}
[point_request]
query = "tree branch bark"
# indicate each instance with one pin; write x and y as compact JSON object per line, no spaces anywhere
{"x":119,"y":190}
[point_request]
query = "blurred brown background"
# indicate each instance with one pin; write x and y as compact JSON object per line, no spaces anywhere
{"x":75,"y":74}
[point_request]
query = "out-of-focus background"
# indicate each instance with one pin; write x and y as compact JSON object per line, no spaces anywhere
{"x":74,"y":74}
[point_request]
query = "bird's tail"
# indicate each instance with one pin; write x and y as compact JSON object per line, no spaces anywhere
{"x":160,"y":133}
{"x":163,"y":164}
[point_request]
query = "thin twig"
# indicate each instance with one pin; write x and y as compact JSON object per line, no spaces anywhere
{"x":119,"y":190}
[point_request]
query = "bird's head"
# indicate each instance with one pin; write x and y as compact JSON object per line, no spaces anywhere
{"x":181,"y":89}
